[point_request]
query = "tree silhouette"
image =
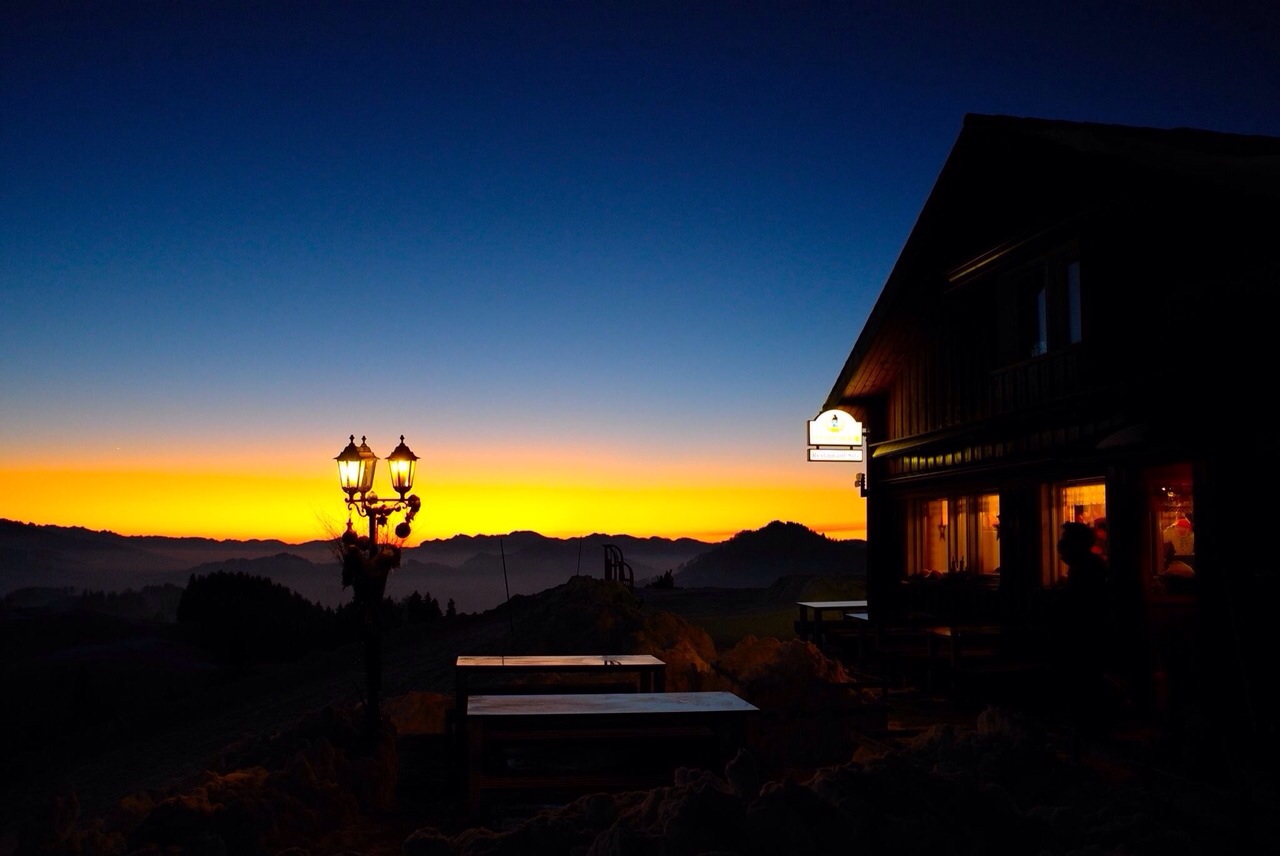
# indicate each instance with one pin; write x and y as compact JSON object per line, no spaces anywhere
{"x":419,"y":609}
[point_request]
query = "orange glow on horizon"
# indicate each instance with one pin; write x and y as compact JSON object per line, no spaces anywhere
{"x":299,"y":507}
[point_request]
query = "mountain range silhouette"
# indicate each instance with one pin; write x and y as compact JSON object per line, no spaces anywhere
{"x":477,"y":572}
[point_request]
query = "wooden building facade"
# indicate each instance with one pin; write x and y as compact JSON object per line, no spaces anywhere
{"x":1078,"y":329}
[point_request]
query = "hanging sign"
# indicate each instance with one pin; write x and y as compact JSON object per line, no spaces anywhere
{"x":836,"y":436}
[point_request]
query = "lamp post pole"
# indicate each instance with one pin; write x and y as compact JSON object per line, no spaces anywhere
{"x":366,"y":562}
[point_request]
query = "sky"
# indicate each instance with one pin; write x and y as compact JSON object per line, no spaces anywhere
{"x":598,"y":262}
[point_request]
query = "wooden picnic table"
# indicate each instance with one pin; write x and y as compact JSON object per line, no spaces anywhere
{"x":809,"y":625}
{"x":596,"y":741}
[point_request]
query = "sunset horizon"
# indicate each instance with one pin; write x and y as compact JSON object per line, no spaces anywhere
{"x":291,"y":492}
{"x":294,"y":494}
{"x":421,"y":535}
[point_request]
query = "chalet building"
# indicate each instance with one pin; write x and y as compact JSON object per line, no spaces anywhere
{"x":1079,"y":329}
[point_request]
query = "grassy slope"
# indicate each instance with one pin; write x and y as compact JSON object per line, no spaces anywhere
{"x":728,"y":615}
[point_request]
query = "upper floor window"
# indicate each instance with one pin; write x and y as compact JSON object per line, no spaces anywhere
{"x":1044,"y":303}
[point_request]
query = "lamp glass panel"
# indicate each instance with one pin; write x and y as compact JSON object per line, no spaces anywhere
{"x":401,"y":473}
{"x":351,"y":474}
{"x":369,"y":462}
{"x":367,"y":467}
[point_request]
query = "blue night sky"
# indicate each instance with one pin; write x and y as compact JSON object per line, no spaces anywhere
{"x":565,"y":244}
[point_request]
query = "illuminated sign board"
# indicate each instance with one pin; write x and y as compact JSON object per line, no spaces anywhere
{"x":835,"y":428}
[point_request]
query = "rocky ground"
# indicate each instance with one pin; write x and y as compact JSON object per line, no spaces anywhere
{"x":274,"y":765}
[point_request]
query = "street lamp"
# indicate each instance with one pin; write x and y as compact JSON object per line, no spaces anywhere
{"x":356,"y":466}
{"x":365,"y":562}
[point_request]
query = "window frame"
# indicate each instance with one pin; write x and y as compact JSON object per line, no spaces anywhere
{"x":1047,"y":296}
{"x":955,"y":533}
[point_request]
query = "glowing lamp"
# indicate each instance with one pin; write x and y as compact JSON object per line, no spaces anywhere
{"x":401,"y":462}
{"x":355,"y":467}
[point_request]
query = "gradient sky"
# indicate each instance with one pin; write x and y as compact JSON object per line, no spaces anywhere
{"x":598,"y":262}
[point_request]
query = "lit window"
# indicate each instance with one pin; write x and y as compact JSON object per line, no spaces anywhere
{"x":1172,"y":530}
{"x":957,"y":534}
{"x":1081,"y":502}
{"x":986,"y":558}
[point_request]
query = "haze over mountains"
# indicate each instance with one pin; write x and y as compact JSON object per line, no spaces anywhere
{"x":477,"y":572}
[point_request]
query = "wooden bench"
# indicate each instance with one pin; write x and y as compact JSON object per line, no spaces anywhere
{"x":570,"y":744}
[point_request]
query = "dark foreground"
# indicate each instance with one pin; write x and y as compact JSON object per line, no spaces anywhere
{"x":930,"y":748}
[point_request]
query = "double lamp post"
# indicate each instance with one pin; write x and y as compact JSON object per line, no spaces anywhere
{"x":366,"y":562}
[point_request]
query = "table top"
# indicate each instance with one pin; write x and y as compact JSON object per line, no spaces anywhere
{"x":559,"y":661}
{"x":562,"y":704}
{"x":831,"y":604}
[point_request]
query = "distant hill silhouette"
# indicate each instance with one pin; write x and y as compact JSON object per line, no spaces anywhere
{"x":475,"y":571}
{"x":319,"y":582}
{"x":468,"y":569}
{"x":757,"y":559}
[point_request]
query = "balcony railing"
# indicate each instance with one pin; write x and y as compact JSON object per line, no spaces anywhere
{"x":1037,"y":381}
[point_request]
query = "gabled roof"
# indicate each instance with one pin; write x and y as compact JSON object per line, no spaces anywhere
{"x":1003,"y":170}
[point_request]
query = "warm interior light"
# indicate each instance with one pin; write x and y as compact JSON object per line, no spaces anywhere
{"x":402,"y":463}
